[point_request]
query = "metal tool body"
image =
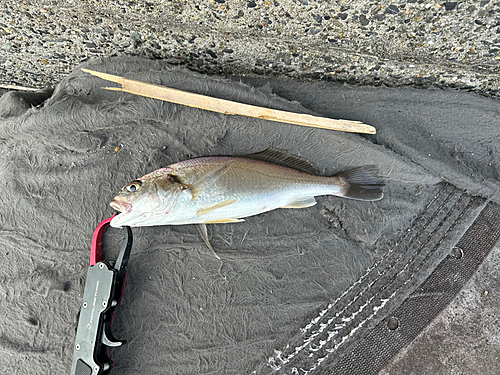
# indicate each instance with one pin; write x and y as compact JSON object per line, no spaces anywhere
{"x":102,"y":295}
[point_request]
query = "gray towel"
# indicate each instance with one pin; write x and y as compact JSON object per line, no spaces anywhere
{"x":294,"y":289}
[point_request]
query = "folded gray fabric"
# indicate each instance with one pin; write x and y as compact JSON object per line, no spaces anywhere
{"x":294,"y":289}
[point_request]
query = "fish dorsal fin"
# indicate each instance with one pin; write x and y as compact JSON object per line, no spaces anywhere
{"x":281,"y":157}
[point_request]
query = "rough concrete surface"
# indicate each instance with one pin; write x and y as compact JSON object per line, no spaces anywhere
{"x":402,"y":42}
{"x":465,"y":337}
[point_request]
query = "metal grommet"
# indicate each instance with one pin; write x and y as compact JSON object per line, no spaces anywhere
{"x":96,"y":369}
{"x":84,"y":305}
{"x":104,"y":304}
{"x":101,"y":266}
{"x":457,"y":253}
{"x":393,"y":323}
{"x":77,"y":346}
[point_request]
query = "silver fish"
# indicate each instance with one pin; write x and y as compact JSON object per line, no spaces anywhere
{"x":226,"y":189}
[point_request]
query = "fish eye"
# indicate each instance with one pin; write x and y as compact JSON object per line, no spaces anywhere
{"x":134,"y":186}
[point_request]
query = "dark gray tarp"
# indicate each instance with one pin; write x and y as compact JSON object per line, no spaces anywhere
{"x":295,"y":290}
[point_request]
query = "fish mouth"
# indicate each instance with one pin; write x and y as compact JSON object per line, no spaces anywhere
{"x":121,"y":206}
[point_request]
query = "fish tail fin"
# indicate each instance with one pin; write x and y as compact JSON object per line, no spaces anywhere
{"x":362,"y":183}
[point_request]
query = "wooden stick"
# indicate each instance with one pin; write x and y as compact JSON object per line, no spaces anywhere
{"x":19,"y":88}
{"x":228,"y":107}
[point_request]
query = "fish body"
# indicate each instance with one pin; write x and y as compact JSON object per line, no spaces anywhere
{"x":225,"y":189}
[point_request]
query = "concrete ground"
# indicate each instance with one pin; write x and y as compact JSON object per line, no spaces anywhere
{"x":465,"y":338}
{"x":402,"y":42}
{"x":394,"y":43}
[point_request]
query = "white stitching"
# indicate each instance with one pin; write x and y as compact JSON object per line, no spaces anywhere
{"x":384,"y":301}
{"x":272,"y":362}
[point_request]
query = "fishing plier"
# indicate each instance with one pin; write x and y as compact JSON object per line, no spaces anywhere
{"x":102,"y":295}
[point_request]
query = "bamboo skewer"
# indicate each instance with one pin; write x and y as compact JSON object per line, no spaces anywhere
{"x":228,"y":107}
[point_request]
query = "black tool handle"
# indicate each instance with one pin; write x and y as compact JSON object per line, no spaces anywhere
{"x":101,"y":297}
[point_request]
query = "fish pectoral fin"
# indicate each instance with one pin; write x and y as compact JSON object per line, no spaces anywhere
{"x":301,"y":203}
{"x":210,"y":176}
{"x":220,"y":221}
{"x":202,"y":228}
{"x":227,"y":202}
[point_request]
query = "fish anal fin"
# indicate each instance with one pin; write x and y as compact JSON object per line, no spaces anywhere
{"x":281,"y":157}
{"x":225,"y":203}
{"x":301,"y":203}
{"x":220,"y":221}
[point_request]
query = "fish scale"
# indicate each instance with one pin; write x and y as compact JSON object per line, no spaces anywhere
{"x":257,"y":187}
